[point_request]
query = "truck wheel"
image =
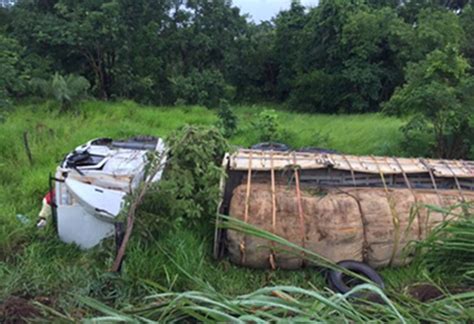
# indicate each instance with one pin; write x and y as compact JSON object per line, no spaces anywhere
{"x":267,"y":146}
{"x":342,"y":283}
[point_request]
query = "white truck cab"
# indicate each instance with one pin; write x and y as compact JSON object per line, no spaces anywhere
{"x":91,"y":183}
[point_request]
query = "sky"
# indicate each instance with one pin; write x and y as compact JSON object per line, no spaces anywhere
{"x":265,"y":9}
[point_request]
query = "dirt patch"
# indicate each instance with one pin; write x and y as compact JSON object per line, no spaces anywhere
{"x":425,"y":292}
{"x":17,"y":310}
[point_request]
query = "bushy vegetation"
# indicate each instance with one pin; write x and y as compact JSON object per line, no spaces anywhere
{"x":439,"y":94}
{"x":188,"y":193}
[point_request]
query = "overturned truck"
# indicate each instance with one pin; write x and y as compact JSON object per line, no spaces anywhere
{"x":342,"y":207}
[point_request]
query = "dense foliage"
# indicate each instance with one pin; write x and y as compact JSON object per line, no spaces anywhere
{"x":346,"y":56}
{"x":189,"y":191}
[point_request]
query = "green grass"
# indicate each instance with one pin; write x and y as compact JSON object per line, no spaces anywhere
{"x":36,"y":264}
{"x":351,"y":134}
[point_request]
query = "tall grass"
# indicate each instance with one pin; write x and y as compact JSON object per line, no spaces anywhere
{"x":363,"y":303}
{"x":352,"y":134}
{"x":453,"y":241}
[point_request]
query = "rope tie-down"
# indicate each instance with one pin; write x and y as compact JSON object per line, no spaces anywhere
{"x":410,"y":187}
{"x":272,"y":258}
{"x":300,"y":205}
{"x":247,"y":206}
{"x":393,"y":212}
{"x":435,"y":187}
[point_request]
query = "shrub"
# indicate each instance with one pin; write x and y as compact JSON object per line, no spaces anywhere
{"x":316,"y":92}
{"x":39,"y":87}
{"x":227,"y":119}
{"x":204,"y":88}
{"x":189,"y":192}
{"x":418,"y":137}
{"x":4,"y":102}
{"x":441,"y":90}
{"x":268,"y":126}
{"x":69,"y":90}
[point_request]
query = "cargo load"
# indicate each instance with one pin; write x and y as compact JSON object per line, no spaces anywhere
{"x":342,"y":207}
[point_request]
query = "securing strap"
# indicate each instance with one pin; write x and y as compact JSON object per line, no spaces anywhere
{"x":247,"y":206}
{"x":395,"y":218}
{"x":455,"y":180}
{"x":300,"y":205}
{"x":272,"y":258}
{"x":405,"y":177}
{"x":433,"y":182}
{"x":365,"y":242}
{"x":352,"y":170}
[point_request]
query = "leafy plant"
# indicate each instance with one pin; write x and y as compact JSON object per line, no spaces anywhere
{"x":418,"y":137}
{"x":189,"y":192}
{"x":204,"y":88}
{"x":441,"y":90}
{"x":68,"y":90}
{"x":227,"y":118}
{"x":268,"y":126}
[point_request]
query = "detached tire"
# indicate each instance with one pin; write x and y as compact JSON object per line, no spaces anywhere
{"x":337,"y":280}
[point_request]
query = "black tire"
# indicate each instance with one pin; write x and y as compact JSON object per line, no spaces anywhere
{"x":267,"y":146}
{"x":336,"y":279}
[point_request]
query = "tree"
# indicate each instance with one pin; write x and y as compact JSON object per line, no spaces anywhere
{"x":409,"y":10}
{"x":351,"y":59}
{"x":440,"y":90}
{"x":377,"y":44}
{"x":93,"y":30}
{"x":341,"y":56}
{"x":12,"y":76}
{"x":435,"y":29}
{"x":252,"y":68}
{"x":204,"y":88}
{"x":467,"y":23}
{"x":288,"y":44}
